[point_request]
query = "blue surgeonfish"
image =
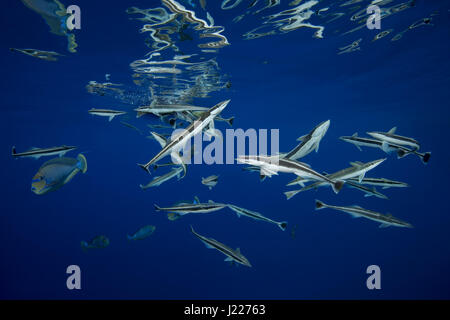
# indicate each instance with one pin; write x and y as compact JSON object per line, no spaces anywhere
{"x":56,"y":172}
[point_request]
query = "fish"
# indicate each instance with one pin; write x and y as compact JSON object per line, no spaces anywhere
{"x":381,"y":182}
{"x":56,"y":172}
{"x":385,"y":146}
{"x":358,"y":212}
{"x":357,"y":169}
{"x":232,"y":255}
{"x":131,"y":127}
{"x":369,"y":191}
{"x":210,"y":181}
{"x":40,"y":54}
{"x":142,"y":233}
{"x":162,"y":109}
{"x":257,"y":216}
{"x":98,"y":242}
{"x":106,"y":113}
{"x":309,"y":142}
{"x":184,"y":208}
{"x":178,"y":142}
{"x":272,"y":165}
{"x":391,"y":137}
{"x":158,"y":180}
{"x":36,"y":153}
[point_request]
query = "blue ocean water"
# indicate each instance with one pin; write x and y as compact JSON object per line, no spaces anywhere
{"x":289,"y":81}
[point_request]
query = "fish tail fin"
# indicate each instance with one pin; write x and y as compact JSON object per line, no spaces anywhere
{"x":401,"y":154}
{"x":320,"y":205}
{"x":283,"y":225}
{"x":290,"y":194}
{"x":144,"y":167}
{"x":173,"y":123}
{"x":230,"y":121}
{"x":13,"y":152}
{"x":156,"y":207}
{"x":426,"y":157}
{"x":337,"y":186}
{"x":82,"y":163}
{"x":192,"y":229}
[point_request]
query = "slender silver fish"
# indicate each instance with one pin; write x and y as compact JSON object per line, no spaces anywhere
{"x":106,"y":113}
{"x":184,"y":208}
{"x":232,"y":255}
{"x":380,"y":182}
{"x":358,"y":169}
{"x":309,"y":142}
{"x":210,"y":181}
{"x":393,"y":138}
{"x":358,"y":212}
{"x":257,"y":216}
{"x":368,"y":191}
{"x":157,"y":181}
{"x":178,"y":142}
{"x":36,"y":153}
{"x":272,"y":165}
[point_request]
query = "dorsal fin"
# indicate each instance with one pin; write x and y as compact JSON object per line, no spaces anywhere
{"x":210,"y":201}
{"x":392,"y":131}
{"x":305,"y":164}
{"x":302,"y":138}
{"x":355,"y":134}
{"x":238,"y":250}
{"x":196,"y":200}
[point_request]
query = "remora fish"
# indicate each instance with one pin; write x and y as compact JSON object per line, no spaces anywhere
{"x":178,"y":142}
{"x":210,"y":181}
{"x":369,"y":191}
{"x":358,"y":169}
{"x":257,"y":216}
{"x":142,"y":233}
{"x":157,"y":181}
{"x":309,"y":142}
{"x":380,"y":182}
{"x":232,"y":255}
{"x":161,"y":109}
{"x":36,"y":153}
{"x":358,"y":212}
{"x":391,"y":137}
{"x":106,"y":113}
{"x":274,"y":164}
{"x":385,"y":146}
{"x":182,"y":209}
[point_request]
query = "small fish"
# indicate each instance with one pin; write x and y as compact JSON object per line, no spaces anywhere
{"x":179,"y":142}
{"x":98,"y":242}
{"x":210,"y":181}
{"x":393,"y":138}
{"x":385,"y":146}
{"x":142,"y":233}
{"x":131,"y":127}
{"x":40,"y":54}
{"x":184,"y":208}
{"x":36,"y":153}
{"x":369,"y":191}
{"x":232,"y":255}
{"x":274,"y":164}
{"x":106,"y":113}
{"x":380,"y":182}
{"x":257,"y":216}
{"x":357,"y":169}
{"x":157,"y":181}
{"x":309,"y":142}
{"x":358,"y":212}
{"x":56,"y":172}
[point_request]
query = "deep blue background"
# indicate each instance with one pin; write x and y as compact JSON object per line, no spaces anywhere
{"x":386,"y":84}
